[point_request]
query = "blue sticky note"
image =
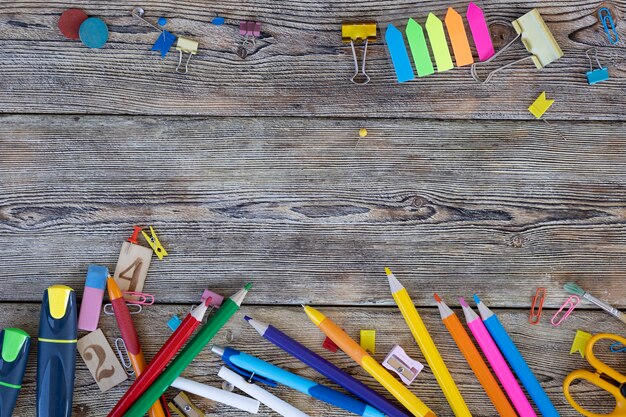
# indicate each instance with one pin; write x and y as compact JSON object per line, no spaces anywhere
{"x":164,"y":43}
{"x":399,"y":55}
{"x":598,"y":75}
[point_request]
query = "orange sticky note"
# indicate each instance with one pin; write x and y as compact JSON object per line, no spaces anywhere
{"x":458,"y":38}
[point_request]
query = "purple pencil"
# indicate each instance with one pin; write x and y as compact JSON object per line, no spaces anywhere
{"x":326,"y":368}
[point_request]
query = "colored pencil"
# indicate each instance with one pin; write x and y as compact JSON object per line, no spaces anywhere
{"x":475,"y":361}
{"x":516,"y":360}
{"x":427,"y":346}
{"x":497,"y":362}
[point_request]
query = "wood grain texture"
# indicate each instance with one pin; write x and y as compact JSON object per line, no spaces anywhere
{"x":298,"y":67}
{"x":494,"y":207}
{"x":545,"y":348}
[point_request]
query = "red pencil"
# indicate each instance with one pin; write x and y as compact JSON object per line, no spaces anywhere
{"x":161,"y":359}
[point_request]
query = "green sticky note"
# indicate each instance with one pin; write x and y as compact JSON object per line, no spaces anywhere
{"x":419,"y":48}
{"x":438,"y":43}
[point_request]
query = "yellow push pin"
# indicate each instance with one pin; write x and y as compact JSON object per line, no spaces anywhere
{"x":368,"y":340}
{"x":540,"y":106}
{"x":580,"y":342}
{"x":154,"y":243}
{"x":363,"y":132}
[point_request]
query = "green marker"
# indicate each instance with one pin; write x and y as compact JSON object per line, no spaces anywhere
{"x":419,"y":49}
{"x":184,"y":358}
{"x":14,"y":344}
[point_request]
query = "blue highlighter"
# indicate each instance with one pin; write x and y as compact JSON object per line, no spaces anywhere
{"x":56,"y":358}
{"x":15,"y":344}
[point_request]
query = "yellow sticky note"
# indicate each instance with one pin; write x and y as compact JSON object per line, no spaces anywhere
{"x":580,"y":342}
{"x":368,"y":340}
{"x":540,"y":106}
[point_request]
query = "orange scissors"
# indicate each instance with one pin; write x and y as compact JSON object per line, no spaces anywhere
{"x":604,"y":377}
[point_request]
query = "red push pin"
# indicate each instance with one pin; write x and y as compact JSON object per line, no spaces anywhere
{"x":133,"y":238}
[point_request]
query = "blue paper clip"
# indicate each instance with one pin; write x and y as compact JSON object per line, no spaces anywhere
{"x":605,"y":17}
{"x":618,"y":347}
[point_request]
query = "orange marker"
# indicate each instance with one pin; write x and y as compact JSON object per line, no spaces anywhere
{"x":369,"y":364}
{"x":458,"y":38}
{"x":476,"y":362}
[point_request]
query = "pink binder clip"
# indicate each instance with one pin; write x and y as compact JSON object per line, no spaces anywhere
{"x":249,"y":30}
{"x":398,"y":361}
{"x":571,"y":303}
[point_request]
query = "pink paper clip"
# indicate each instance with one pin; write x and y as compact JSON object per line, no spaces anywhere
{"x":571,"y":303}
{"x":398,"y":361}
{"x":141,"y":298}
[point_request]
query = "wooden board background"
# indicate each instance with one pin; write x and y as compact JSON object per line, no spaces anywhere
{"x":252,"y":170}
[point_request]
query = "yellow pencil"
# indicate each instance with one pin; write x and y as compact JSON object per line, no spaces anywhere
{"x":358,"y":354}
{"x":427,"y":346}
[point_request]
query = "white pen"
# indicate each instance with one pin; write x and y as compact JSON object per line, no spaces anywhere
{"x":216,"y":394}
{"x":270,"y":400}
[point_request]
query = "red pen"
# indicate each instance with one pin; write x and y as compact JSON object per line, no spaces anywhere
{"x":161,"y":359}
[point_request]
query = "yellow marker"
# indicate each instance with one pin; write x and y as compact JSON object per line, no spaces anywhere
{"x":368,"y":341}
{"x":540,"y":106}
{"x":427,"y":346}
{"x":154,"y":243}
{"x":580,"y":342}
{"x":369,"y":364}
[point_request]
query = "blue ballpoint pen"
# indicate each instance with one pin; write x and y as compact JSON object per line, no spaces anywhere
{"x":247,"y":365}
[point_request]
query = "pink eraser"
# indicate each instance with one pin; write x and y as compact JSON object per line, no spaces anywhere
{"x":216,"y":299}
{"x":92,"y":297}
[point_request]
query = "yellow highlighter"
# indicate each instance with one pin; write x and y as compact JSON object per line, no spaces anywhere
{"x":360,"y":356}
{"x":427,"y":346}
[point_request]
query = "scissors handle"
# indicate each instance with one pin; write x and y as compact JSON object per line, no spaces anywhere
{"x":616,"y":387}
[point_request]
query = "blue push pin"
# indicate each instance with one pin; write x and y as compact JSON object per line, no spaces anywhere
{"x":93,"y":32}
{"x":162,"y":21}
{"x":218,"y":21}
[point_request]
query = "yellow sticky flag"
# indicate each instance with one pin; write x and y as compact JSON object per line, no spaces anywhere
{"x":580,"y":342}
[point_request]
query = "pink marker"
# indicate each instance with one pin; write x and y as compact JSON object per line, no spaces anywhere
{"x":92,"y":297}
{"x":480,"y":32}
{"x":497,"y":362}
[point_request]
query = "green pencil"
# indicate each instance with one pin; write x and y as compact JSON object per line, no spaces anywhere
{"x":184,"y":358}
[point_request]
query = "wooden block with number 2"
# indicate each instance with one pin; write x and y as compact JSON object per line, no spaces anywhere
{"x":101,"y":360}
{"x":132,"y":267}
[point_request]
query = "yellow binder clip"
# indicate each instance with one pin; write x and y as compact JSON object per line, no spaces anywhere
{"x":187,"y":46}
{"x":360,"y":31}
{"x":540,"y":105}
{"x":537,"y":40}
{"x":154,"y":243}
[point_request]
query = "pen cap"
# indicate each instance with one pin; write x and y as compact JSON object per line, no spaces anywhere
{"x":15,"y":344}
{"x":92,"y":297}
{"x":58,"y":314}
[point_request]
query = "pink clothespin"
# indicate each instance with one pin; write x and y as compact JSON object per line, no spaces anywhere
{"x":398,"y":361}
{"x":571,"y":303}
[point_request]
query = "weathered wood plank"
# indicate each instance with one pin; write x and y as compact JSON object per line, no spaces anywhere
{"x":493,"y":207}
{"x":546,"y":349}
{"x":299,"y":66}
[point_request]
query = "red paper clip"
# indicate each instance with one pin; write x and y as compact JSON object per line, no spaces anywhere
{"x":571,"y":303}
{"x":133,"y":297}
{"x":537,"y":305}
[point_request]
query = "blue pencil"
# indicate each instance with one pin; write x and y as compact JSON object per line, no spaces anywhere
{"x":515,"y":359}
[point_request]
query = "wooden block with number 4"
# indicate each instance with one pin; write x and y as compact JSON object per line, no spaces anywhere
{"x":101,"y":361}
{"x":132,"y":267}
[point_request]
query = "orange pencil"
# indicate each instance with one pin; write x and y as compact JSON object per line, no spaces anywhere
{"x":476,"y":362}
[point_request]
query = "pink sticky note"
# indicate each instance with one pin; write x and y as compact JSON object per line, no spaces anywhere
{"x":480,"y":32}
